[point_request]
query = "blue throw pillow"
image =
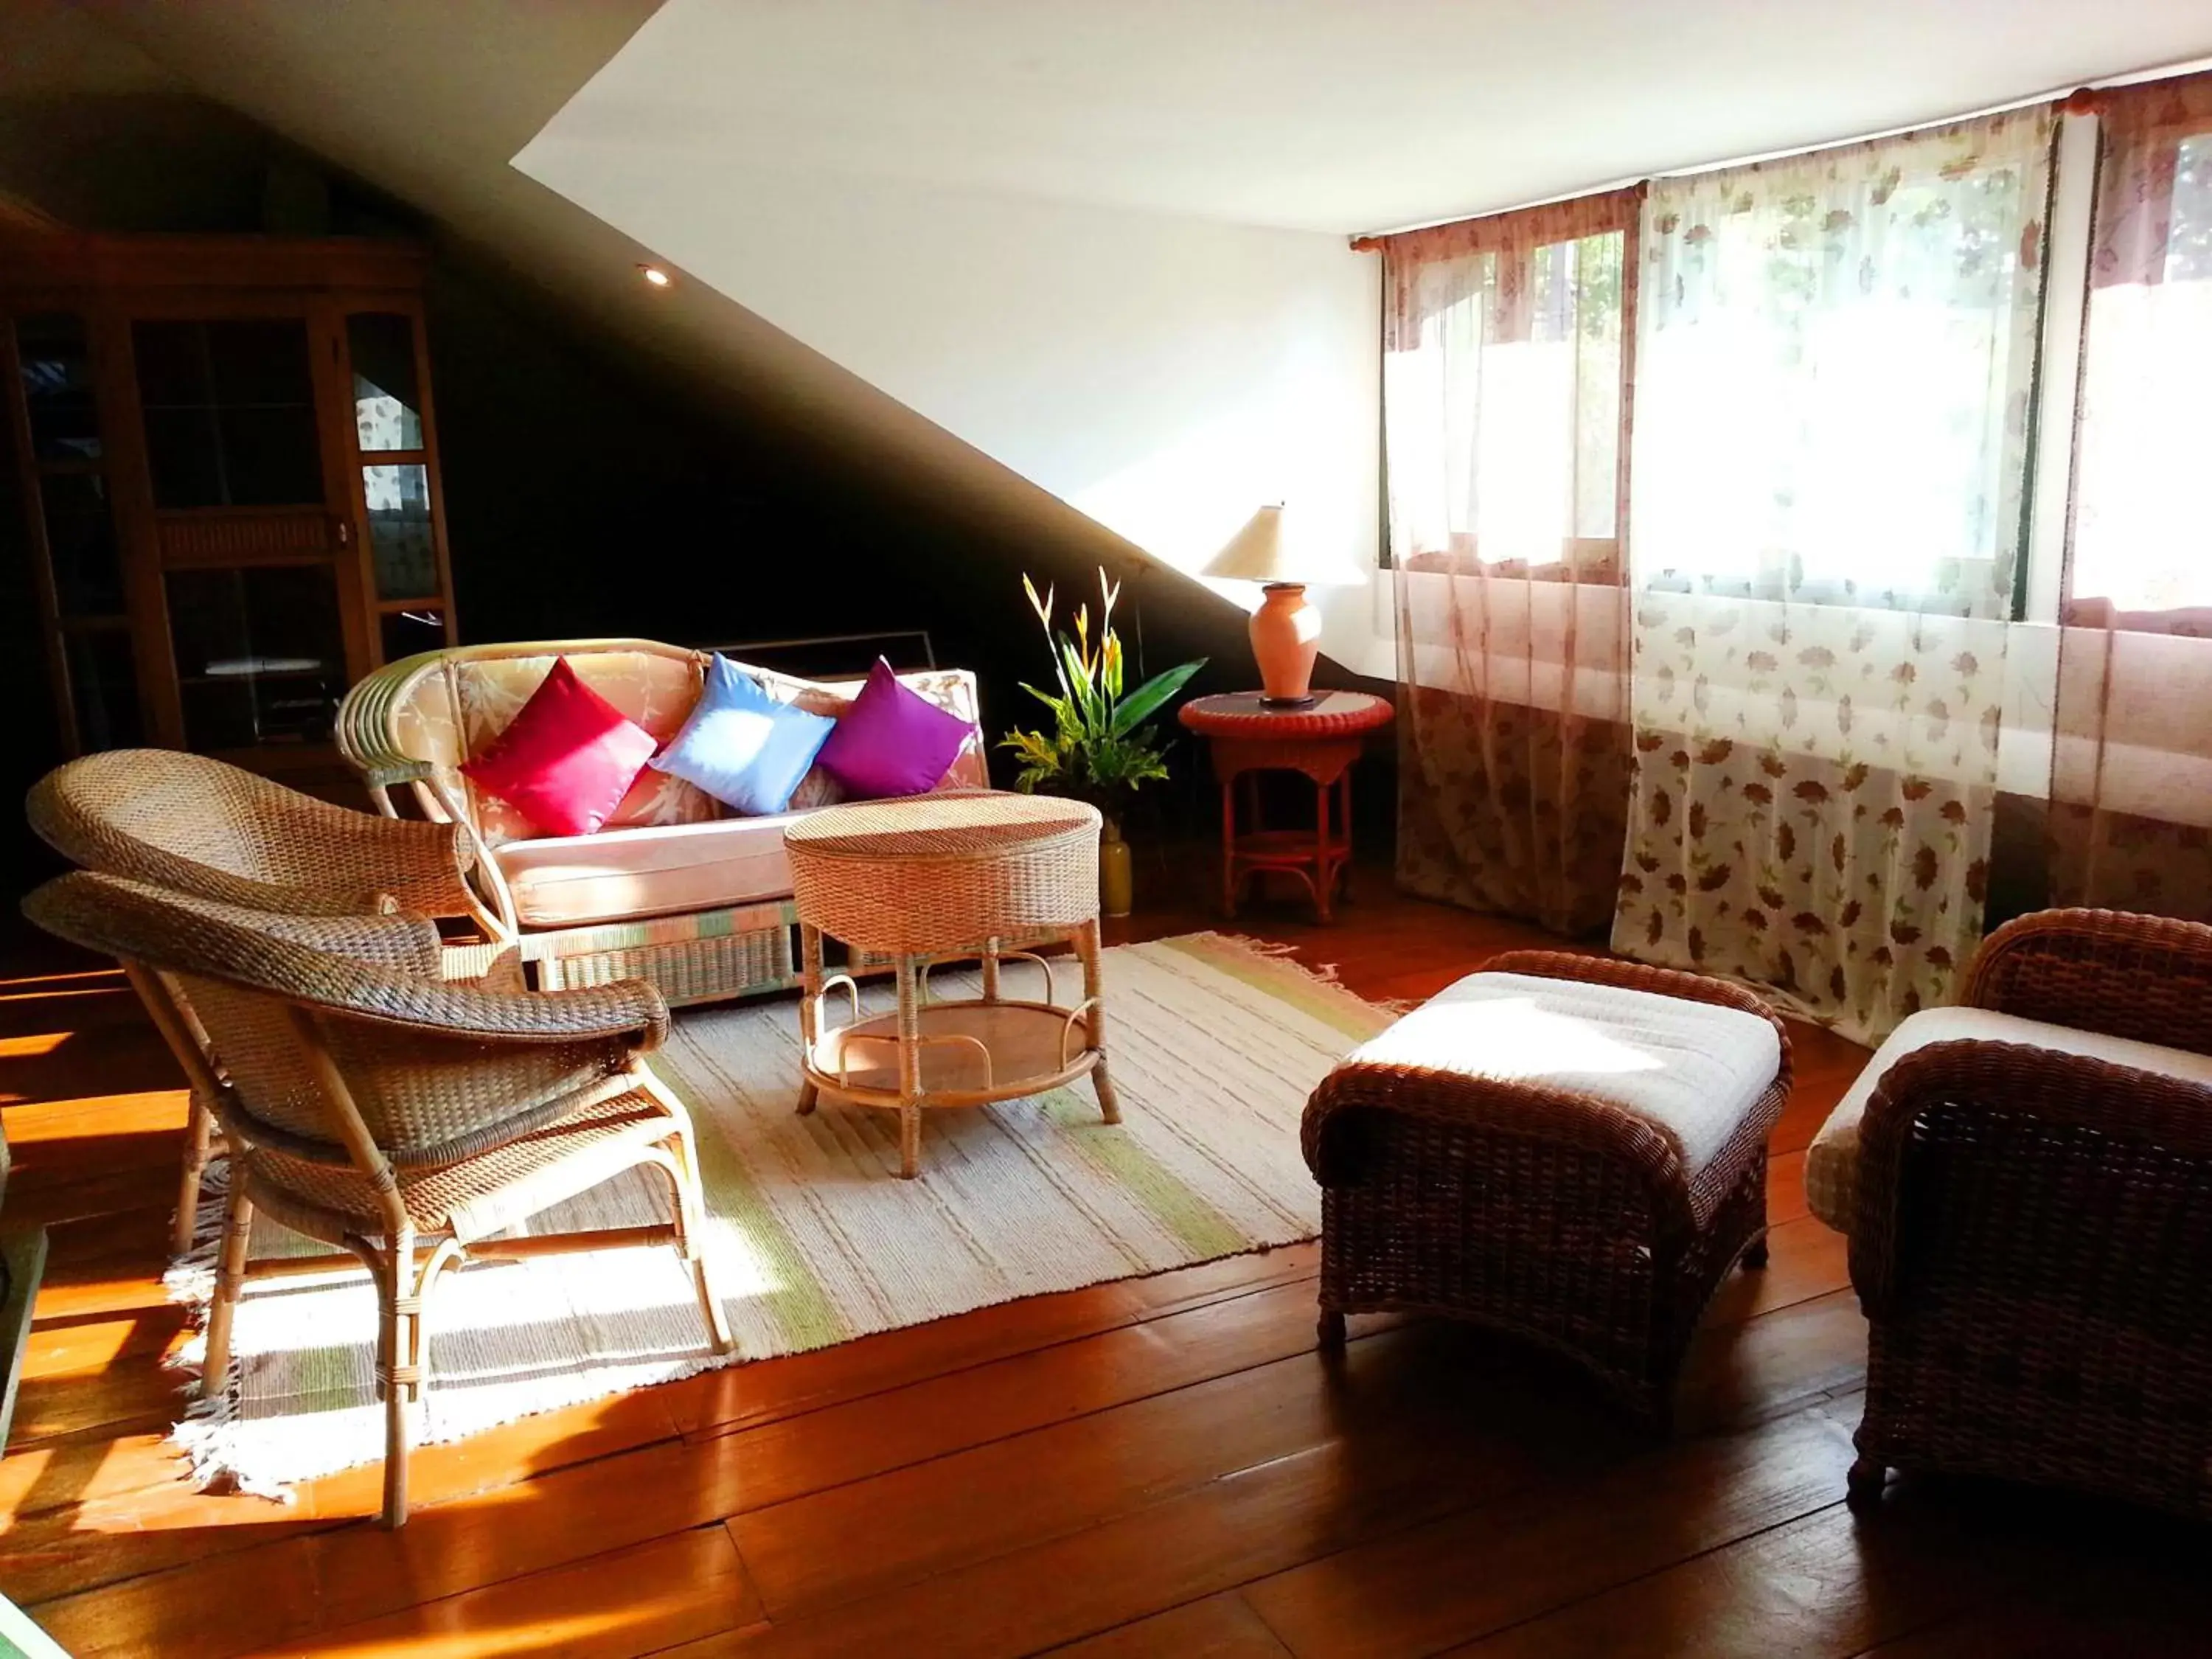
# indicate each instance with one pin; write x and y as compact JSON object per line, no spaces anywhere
{"x":741,"y":745}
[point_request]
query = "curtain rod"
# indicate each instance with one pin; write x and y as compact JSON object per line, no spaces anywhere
{"x":2088,"y":99}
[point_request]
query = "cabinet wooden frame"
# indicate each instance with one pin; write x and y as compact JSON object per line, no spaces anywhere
{"x":109,"y":285}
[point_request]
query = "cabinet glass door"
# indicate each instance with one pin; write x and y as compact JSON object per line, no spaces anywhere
{"x":397,"y":480}
{"x":73,"y":524}
{"x":260,"y":655}
{"x":230,"y":412}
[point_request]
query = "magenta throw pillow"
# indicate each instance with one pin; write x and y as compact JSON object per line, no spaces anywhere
{"x":568,"y":759}
{"x":892,"y":741}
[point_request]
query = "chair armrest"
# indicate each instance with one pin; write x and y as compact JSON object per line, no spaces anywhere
{"x":2050,"y":1138}
{"x":2146,"y":978}
{"x":628,"y":1008}
{"x":422,"y":865}
{"x":363,"y":727}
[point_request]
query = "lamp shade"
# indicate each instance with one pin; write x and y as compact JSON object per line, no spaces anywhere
{"x":1260,"y":553}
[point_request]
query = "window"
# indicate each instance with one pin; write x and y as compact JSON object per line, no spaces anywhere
{"x":2141,"y":536}
{"x":1502,"y":391}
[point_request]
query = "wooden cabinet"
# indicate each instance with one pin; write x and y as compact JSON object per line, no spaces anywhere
{"x":226,"y":456}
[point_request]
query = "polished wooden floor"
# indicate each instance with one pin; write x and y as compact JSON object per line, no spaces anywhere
{"x":1162,"y":1466}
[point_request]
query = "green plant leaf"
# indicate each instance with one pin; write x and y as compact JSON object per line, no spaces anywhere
{"x":1141,"y":703}
{"x":1082,"y":687}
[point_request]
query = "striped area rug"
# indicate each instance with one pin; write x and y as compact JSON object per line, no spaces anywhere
{"x":1214,"y":1047}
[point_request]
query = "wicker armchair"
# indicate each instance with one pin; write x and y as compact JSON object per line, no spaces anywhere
{"x":2033,"y":1241}
{"x":200,"y":827}
{"x":406,"y":1119}
{"x":196,"y":825}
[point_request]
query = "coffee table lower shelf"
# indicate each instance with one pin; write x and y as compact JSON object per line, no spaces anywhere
{"x":966,"y":1053}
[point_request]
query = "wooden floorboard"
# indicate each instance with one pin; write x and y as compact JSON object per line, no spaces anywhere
{"x":1160,"y":1465}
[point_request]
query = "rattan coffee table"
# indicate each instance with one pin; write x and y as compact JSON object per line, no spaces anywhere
{"x":933,"y":880}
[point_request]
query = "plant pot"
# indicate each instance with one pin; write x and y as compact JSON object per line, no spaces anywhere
{"x":1117,"y":874}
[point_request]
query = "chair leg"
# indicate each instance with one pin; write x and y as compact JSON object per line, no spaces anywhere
{"x":1863,"y":1486}
{"x":1329,"y":1329}
{"x":229,"y":1281}
{"x":679,"y":1161}
{"x":690,"y":1213}
{"x":199,"y":1128}
{"x":400,"y":1372}
{"x":1754,"y":1254}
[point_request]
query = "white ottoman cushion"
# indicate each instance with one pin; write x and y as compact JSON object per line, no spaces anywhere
{"x":1831,"y":1162}
{"x":1693,"y":1069}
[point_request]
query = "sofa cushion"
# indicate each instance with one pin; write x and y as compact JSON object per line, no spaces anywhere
{"x":892,"y":741}
{"x":1831,"y":1162}
{"x":477,"y":698}
{"x":744,"y":748}
{"x":657,"y":869}
{"x":566,"y":759}
{"x":1694,"y":1069}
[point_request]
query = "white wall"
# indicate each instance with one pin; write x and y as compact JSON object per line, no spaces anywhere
{"x":1165,"y":375}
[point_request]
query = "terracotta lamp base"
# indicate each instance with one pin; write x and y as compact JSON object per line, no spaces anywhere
{"x":1285,"y":640}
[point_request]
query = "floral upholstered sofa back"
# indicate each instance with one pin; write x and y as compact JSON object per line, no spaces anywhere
{"x":451,"y":707}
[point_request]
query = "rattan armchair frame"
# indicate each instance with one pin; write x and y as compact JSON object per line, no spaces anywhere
{"x":337,"y":1178}
{"x":2033,"y":1246}
{"x":1555,"y":1217}
{"x":202,"y":827}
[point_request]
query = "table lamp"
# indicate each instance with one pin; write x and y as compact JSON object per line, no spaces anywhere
{"x":1286,"y":629}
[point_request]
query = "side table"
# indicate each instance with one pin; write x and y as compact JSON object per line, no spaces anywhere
{"x":1321,"y":741}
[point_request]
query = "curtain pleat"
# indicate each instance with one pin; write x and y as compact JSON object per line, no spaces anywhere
{"x":2130,"y":821}
{"x":1507,"y":342}
{"x":1835,"y":360}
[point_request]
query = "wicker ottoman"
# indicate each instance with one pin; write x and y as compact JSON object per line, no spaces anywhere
{"x":1567,"y":1149}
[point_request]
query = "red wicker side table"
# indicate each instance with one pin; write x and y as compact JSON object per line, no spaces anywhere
{"x":1321,"y":741}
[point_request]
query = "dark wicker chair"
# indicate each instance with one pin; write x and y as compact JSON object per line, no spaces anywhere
{"x":1552,"y":1215}
{"x":2032,"y":1242}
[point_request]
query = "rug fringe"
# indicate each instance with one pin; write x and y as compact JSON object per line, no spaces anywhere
{"x":189,"y":1279}
{"x":201,"y":1433}
{"x":1276,"y":950}
{"x":1325,"y":973}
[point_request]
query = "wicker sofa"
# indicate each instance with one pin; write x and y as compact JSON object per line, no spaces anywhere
{"x":677,"y":889}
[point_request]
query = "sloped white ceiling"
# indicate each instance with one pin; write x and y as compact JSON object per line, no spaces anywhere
{"x":1105,"y":244}
{"x":1336,"y":115}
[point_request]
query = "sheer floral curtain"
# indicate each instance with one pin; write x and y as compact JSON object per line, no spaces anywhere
{"x":1505,"y":342}
{"x":1835,"y":358}
{"x":2131,"y":773}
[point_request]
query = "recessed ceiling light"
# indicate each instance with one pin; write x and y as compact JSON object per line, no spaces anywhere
{"x":655,"y":274}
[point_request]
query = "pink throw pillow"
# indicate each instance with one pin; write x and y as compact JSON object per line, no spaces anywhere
{"x":568,"y":759}
{"x":892,"y":741}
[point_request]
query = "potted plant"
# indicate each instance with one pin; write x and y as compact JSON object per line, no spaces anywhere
{"x":1099,"y":748}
